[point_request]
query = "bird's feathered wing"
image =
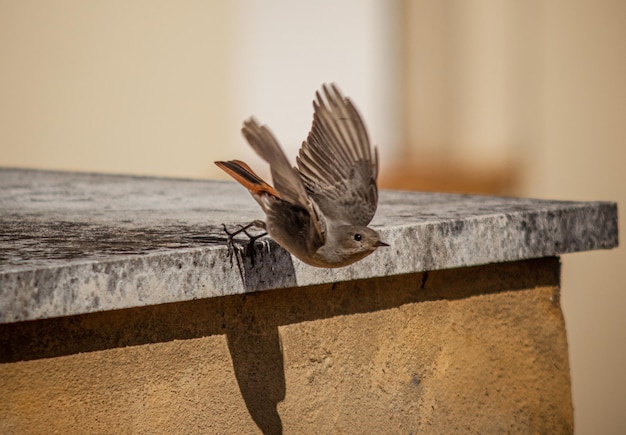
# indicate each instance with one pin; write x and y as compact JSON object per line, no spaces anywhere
{"x":286,"y":179}
{"x":336,"y":162}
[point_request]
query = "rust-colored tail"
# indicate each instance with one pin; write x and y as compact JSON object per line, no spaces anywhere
{"x":246,"y":177}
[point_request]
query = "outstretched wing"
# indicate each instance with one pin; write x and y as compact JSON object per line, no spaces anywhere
{"x":336,"y":162}
{"x":286,"y":179}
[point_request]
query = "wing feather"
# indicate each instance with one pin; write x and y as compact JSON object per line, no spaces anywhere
{"x":287,"y":181}
{"x":336,"y":162}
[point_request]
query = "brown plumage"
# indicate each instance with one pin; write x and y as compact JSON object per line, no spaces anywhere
{"x":318,"y":211}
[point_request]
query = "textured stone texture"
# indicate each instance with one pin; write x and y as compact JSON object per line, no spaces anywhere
{"x":470,"y":350}
{"x":78,"y":243}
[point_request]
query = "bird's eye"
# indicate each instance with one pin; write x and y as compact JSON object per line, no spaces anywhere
{"x":358,"y":237}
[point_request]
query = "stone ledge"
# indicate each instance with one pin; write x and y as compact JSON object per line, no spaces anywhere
{"x":75,"y":243}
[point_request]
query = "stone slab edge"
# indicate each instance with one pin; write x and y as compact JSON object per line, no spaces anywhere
{"x":203,"y":272}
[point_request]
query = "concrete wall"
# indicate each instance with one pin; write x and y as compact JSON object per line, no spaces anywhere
{"x":479,"y":349}
{"x":542,"y":82}
{"x":580,"y":154}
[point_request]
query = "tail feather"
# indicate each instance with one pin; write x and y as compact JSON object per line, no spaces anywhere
{"x":245,"y":176}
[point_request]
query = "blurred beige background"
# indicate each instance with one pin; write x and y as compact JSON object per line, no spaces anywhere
{"x":493,"y":96}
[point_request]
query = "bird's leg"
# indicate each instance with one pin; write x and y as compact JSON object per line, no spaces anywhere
{"x":231,"y":245}
{"x":232,"y":252}
{"x":244,"y":229}
{"x":253,"y":239}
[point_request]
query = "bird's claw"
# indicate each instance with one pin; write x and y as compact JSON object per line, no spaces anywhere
{"x":249,"y":250}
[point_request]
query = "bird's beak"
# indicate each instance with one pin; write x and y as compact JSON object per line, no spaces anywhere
{"x":379,"y":243}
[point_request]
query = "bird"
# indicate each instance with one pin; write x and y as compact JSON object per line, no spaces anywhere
{"x":319,"y":210}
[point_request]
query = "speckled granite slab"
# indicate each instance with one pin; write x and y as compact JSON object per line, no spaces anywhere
{"x":78,"y":243}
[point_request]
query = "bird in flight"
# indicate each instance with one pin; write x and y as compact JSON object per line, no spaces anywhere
{"x":319,"y":210}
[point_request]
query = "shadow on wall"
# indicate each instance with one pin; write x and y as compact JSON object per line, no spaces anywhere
{"x":251,"y":322}
{"x":257,"y":356}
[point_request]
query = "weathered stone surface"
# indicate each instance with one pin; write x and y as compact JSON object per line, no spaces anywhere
{"x":471,"y":350}
{"x":78,"y":243}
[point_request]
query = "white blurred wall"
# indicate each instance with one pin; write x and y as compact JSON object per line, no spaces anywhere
{"x":285,"y":50}
{"x":137,"y":87}
{"x":162,"y":87}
